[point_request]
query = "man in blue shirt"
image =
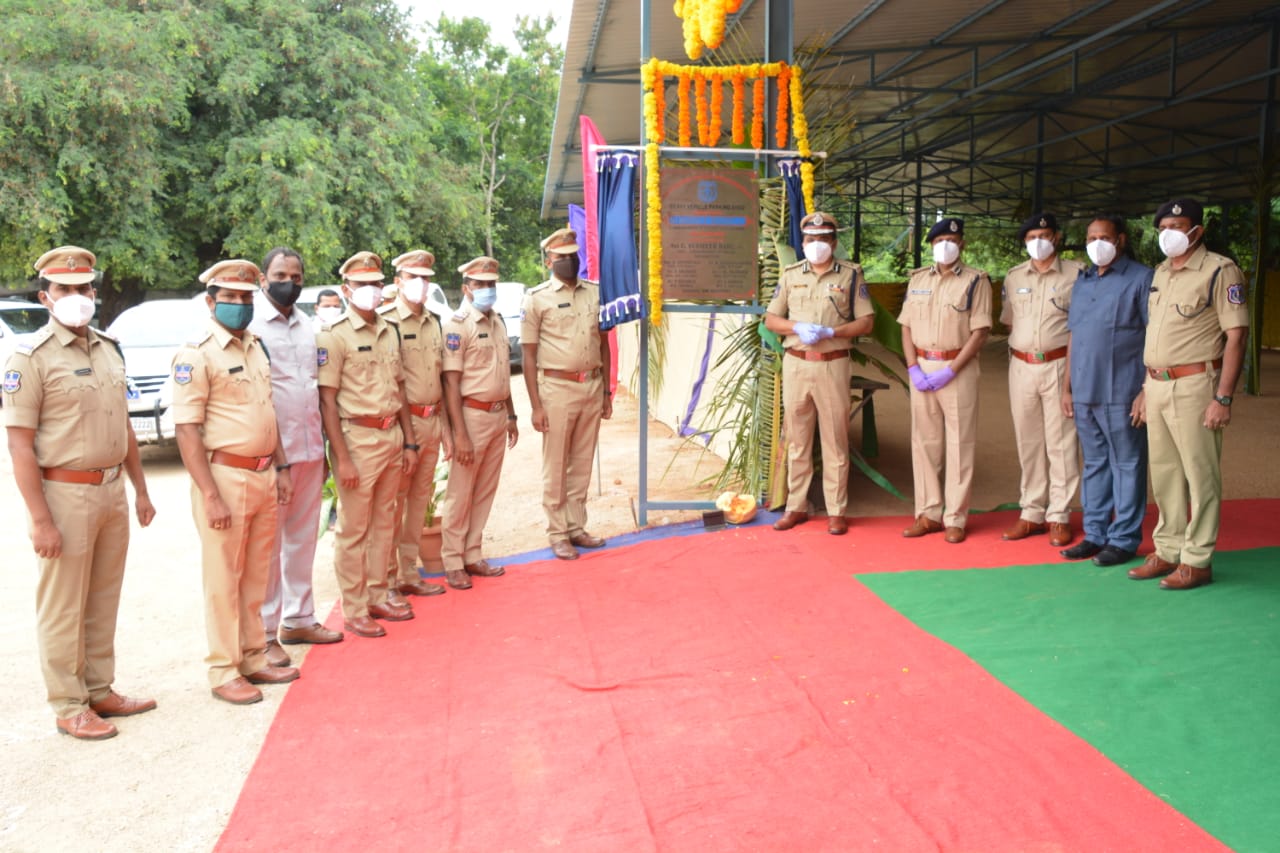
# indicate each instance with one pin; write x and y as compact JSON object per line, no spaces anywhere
{"x":1108,"y":322}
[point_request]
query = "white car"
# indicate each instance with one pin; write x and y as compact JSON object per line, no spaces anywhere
{"x":18,"y":318}
{"x":510,"y":299}
{"x":150,"y":335}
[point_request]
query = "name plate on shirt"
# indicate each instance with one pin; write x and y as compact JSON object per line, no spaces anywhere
{"x":710,"y":220}
{"x":85,"y":371}
{"x":365,"y":348}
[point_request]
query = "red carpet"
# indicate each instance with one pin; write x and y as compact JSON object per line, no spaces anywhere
{"x":732,"y":691}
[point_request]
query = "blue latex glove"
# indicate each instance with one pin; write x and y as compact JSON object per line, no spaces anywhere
{"x":939,"y":378}
{"x":808,"y":333}
{"x":825,"y":332}
{"x":919,"y":378}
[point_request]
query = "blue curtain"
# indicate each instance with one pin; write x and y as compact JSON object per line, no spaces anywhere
{"x":620,"y":300}
{"x":790,"y":170}
{"x":578,"y":222}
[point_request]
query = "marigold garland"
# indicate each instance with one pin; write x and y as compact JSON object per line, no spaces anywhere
{"x":757,"y":113}
{"x":801,"y":128}
{"x":739,"y":85}
{"x":780,"y":125}
{"x":700,"y":96}
{"x":660,"y":101}
{"x":685,"y":138}
{"x":717,"y":110}
{"x":704,"y":23}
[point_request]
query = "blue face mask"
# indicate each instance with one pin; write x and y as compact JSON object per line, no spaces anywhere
{"x":483,"y":298}
{"x":233,"y":315}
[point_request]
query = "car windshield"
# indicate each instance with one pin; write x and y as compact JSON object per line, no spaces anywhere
{"x":23,"y":320}
{"x":165,"y":323}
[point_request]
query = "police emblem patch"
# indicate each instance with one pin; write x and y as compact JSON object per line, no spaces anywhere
{"x":1235,"y":294}
{"x":182,"y":373}
{"x":322,"y":356}
{"x":863,"y":292}
{"x":453,"y":341}
{"x":12,"y":381}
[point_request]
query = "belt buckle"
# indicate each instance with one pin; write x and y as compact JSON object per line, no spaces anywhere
{"x":581,"y":376}
{"x":108,"y":474}
{"x":262,"y":464}
{"x":1165,"y":374}
{"x":1041,"y":356}
{"x":496,"y":406}
{"x":388,"y":421}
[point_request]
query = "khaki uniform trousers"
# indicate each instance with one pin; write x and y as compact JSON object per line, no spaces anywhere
{"x":1046,"y":440}
{"x":815,"y":395}
{"x":78,"y":593}
{"x":944,"y":432}
{"x":365,"y":537}
{"x":471,"y":489}
{"x":1186,"y":473}
{"x":411,"y":502}
{"x":573,"y":412}
{"x":235,"y":561}
{"x":289,"y":599}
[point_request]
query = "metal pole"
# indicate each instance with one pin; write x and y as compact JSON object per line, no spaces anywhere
{"x":777,"y":48}
{"x":920,"y":232}
{"x":646,"y":19}
{"x":1037,"y":189}
{"x":1262,"y":225}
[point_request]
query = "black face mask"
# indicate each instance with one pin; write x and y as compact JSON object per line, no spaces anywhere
{"x":283,"y":293}
{"x":565,"y":267}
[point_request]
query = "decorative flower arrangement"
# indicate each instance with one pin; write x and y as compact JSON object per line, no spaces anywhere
{"x":703,"y":23}
{"x":709,"y":120}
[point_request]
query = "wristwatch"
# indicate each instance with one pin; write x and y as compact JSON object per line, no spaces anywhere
{"x":413,"y":447}
{"x":1224,"y":400}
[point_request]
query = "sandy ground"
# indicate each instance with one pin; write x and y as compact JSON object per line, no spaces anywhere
{"x":171,"y":778}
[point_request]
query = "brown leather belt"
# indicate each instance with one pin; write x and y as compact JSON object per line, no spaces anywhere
{"x":1164,"y":374}
{"x":96,"y":477}
{"x":937,"y":354}
{"x":495,"y":406}
{"x":572,"y":375}
{"x":1039,"y":357}
{"x":810,"y":355}
{"x":424,"y":411}
{"x":375,"y":423}
{"x":248,"y":463}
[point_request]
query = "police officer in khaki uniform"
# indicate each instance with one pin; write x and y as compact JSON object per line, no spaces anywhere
{"x":946,"y":317}
{"x":370,"y":431}
{"x":1037,"y":297}
{"x":820,"y":305}
{"x":566,"y":370}
{"x":1196,"y":330}
{"x":69,"y":439}
{"x":226,"y":429}
{"x":477,"y":392}
{"x":421,"y":355}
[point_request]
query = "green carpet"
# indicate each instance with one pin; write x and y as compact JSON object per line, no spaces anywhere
{"x":1180,"y":689}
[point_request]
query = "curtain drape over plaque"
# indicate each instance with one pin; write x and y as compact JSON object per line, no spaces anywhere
{"x":620,"y":300}
{"x":790,"y":170}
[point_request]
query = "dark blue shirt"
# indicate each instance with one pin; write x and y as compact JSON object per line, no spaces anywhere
{"x":1108,"y":324}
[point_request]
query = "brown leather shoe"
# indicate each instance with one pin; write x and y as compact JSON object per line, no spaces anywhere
{"x":391,"y":614}
{"x":837,"y":525}
{"x":457,"y":578}
{"x":277,"y":656}
{"x":316,"y":634}
{"x":1022,"y":529}
{"x":274,"y":675}
{"x":238,"y":691}
{"x":115,"y":705}
{"x":363,"y":626}
{"x":586,"y":540}
{"x":790,"y":519}
{"x":482,"y":569}
{"x":563,"y":550}
{"x":955,"y":535}
{"x":396,"y":600}
{"x":1060,"y":534}
{"x":87,"y":726}
{"x":1188,"y":577}
{"x":1152,"y":567}
{"x":923,"y":525}
{"x":420,"y":588}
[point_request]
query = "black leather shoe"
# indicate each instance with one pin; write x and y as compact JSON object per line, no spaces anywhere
{"x":1111,"y":556}
{"x":1081,"y":551}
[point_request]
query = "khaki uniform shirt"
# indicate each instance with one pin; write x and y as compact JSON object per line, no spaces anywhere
{"x":563,"y":320}
{"x":223,"y":383}
{"x":1190,"y":309}
{"x":837,"y":296}
{"x":421,"y":351}
{"x":475,"y":344}
{"x":361,"y":360}
{"x":71,"y":391}
{"x":1035,"y":305}
{"x":943,"y":309}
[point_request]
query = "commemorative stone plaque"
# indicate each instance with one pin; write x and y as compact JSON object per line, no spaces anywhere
{"x":710,"y":225}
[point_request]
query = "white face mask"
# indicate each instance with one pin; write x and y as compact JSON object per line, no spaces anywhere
{"x":817,"y":252}
{"x":329,"y":313}
{"x":945,"y":252}
{"x":1174,"y":243}
{"x":1101,"y":252}
{"x":367,"y":297}
{"x":414,"y":290}
{"x":73,"y":310}
{"x":1040,"y":248}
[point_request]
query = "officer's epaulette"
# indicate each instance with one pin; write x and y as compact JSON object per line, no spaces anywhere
{"x":208,"y":333}
{"x":345,"y":318}
{"x":925,"y":268}
{"x":460,"y":314}
{"x":114,"y":341}
{"x":386,"y":310}
{"x":797,"y":265}
{"x":538,"y":287}
{"x":29,"y":343}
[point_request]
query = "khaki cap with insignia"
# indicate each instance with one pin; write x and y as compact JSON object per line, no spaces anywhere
{"x":417,"y":262}
{"x":362,"y":266}
{"x":562,"y":242}
{"x":482,"y":268}
{"x":232,"y":275}
{"x":67,"y":265}
{"x":818,"y":223}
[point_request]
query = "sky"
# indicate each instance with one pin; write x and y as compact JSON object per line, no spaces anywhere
{"x":500,"y":14}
